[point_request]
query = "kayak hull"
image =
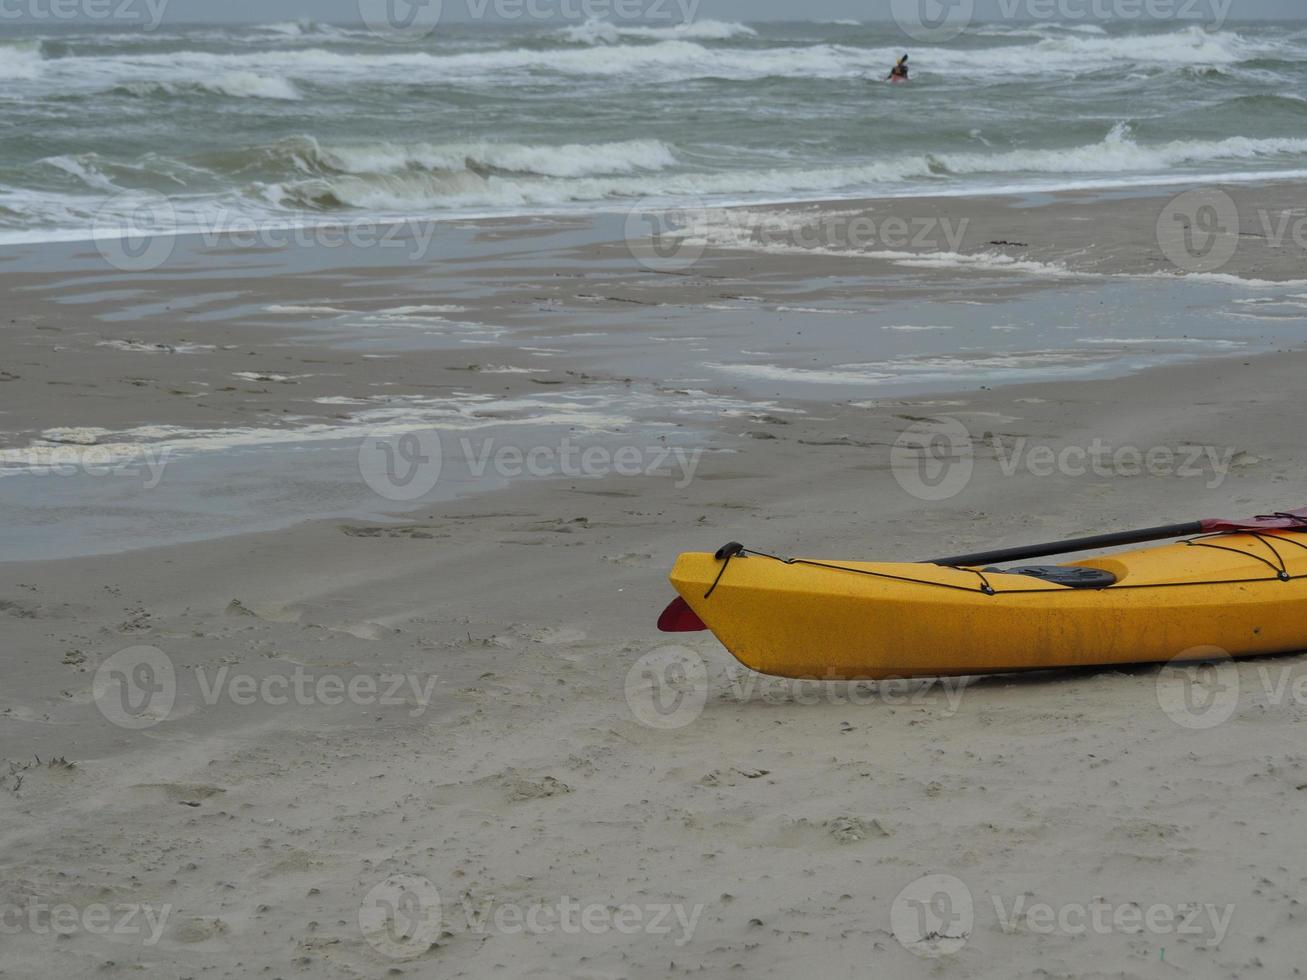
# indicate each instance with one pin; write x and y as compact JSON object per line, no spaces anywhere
{"x":1241,"y":595}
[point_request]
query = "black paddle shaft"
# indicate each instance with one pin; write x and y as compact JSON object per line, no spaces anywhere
{"x":1075,"y":544}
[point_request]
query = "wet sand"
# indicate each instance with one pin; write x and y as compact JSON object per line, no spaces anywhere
{"x":511,"y":768}
{"x":260,"y":370}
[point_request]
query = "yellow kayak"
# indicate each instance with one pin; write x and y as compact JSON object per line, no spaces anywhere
{"x":1242,"y":593}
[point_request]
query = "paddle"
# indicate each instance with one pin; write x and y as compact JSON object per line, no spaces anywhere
{"x":1294,"y":520}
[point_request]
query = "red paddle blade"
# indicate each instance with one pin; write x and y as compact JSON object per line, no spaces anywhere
{"x":680,"y":618}
{"x":1289,"y":520}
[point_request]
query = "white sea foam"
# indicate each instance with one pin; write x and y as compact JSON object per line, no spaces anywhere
{"x":1228,"y":279}
{"x":778,"y":372}
{"x":286,"y":28}
{"x":85,"y":168}
{"x":293,"y":309}
{"x":1059,"y":51}
{"x":1004,"y":367}
{"x":75,"y":435}
{"x":737,"y":228}
{"x":822,"y":310}
{"x":247,"y":84}
{"x":267,"y":376}
{"x":20,"y":60}
{"x":235,"y":84}
{"x":540,"y":159}
{"x":675,"y":54}
{"x":304,"y":28}
{"x":1213,"y":342}
{"x":670,"y":58}
{"x":592,"y":32}
{"x":607,"y":32}
{"x":1293,"y":304}
{"x":386,"y":417}
{"x":142,"y":347}
{"x":1268,"y":317}
{"x":913,"y":327}
{"x":981,"y":261}
{"x":1119,"y":153}
{"x":591,"y":411}
{"x":299,"y":179}
{"x":411,"y":310}
{"x":400,"y":179}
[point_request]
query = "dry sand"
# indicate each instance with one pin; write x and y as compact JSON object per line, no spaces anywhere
{"x":767,"y":833}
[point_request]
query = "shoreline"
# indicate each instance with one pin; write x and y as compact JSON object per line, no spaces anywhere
{"x":1095,"y":188}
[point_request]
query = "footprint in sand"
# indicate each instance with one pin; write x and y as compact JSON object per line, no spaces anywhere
{"x":199,"y":930}
{"x":509,"y":786}
{"x":838,"y":831}
{"x":413,"y":532}
{"x":562,"y":636}
{"x":630,"y":559}
{"x":188,"y":793}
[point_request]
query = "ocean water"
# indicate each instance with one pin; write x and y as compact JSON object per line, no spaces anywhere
{"x":305,"y":122}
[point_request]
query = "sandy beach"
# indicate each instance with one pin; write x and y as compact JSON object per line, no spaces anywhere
{"x":446,"y":693}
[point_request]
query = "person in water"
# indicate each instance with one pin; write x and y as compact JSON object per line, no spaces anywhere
{"x":900,"y":70}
